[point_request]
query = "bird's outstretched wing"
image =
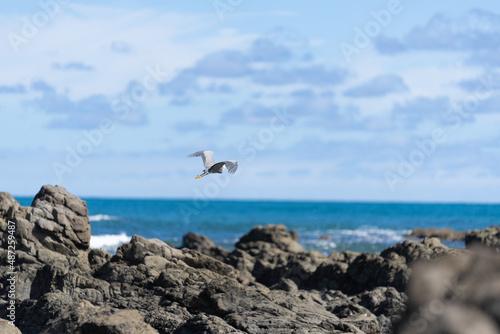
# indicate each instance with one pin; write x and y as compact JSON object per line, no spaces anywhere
{"x":231,"y":165}
{"x":207,"y":156}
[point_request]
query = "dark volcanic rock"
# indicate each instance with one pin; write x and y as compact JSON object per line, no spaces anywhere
{"x":204,"y":245}
{"x":369,"y":271}
{"x":383,"y":302}
{"x":185,"y":291}
{"x":427,"y":249}
{"x":207,"y":324}
{"x":271,"y":256}
{"x":261,"y":238}
{"x":489,"y":237}
{"x":69,"y":316}
{"x":354,"y":273}
{"x":445,"y":234}
{"x":56,"y":222}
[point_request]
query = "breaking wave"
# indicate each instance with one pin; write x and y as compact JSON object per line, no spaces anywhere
{"x":109,"y":241}
{"x":100,"y":217}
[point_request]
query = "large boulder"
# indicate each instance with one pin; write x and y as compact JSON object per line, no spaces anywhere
{"x":51,"y":235}
{"x":66,"y":210}
{"x":261,"y":238}
{"x":56,"y":222}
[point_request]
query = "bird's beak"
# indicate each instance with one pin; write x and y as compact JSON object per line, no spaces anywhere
{"x":198,"y":177}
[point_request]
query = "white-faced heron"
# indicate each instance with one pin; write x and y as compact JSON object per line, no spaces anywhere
{"x":211,"y":166}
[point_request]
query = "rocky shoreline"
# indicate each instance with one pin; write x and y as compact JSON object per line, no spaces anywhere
{"x":267,"y":284}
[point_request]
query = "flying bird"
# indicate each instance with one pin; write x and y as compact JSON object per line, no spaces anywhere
{"x":211,"y":166}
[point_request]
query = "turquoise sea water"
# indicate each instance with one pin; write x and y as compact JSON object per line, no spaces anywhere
{"x":322,"y":226}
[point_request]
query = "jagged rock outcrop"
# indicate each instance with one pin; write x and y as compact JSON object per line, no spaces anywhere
{"x":57,"y":222}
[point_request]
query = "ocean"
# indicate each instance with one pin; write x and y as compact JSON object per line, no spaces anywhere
{"x":321,"y":226}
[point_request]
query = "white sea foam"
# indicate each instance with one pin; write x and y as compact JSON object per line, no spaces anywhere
{"x":99,"y":217}
{"x":363,"y":234}
{"x":369,"y":235}
{"x":319,"y":245}
{"x":109,"y":241}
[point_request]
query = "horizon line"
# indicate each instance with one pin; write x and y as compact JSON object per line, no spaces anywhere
{"x":303,"y":200}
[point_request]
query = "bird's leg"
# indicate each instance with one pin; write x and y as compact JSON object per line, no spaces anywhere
{"x":202,"y":175}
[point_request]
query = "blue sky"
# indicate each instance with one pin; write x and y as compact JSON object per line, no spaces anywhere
{"x":369,"y":100}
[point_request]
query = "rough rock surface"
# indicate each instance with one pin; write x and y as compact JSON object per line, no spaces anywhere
{"x":56,"y":222}
{"x":267,"y":284}
{"x":489,"y":237}
{"x":276,"y":236}
{"x":204,"y":245}
{"x":445,"y":234}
